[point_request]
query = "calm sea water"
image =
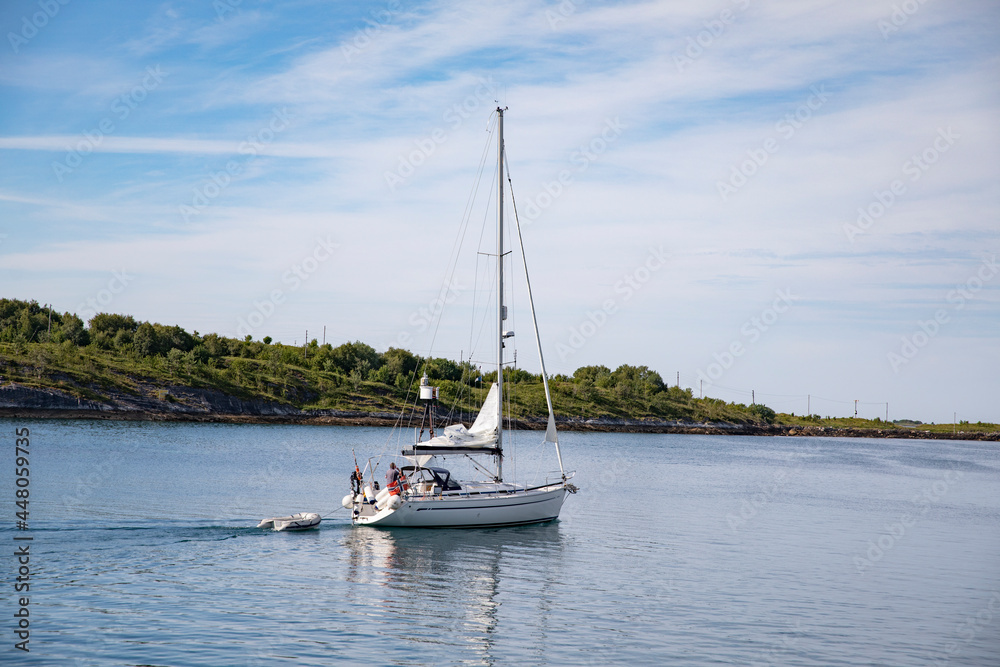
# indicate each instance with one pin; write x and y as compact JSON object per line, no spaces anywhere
{"x":679,"y":549}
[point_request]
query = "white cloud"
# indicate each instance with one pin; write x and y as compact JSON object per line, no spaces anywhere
{"x":153,"y":145}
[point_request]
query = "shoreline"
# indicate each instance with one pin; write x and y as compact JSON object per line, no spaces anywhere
{"x":349,"y":418}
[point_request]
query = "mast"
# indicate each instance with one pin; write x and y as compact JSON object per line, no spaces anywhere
{"x":501,"y":315}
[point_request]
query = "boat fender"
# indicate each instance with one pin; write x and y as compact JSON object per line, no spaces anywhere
{"x":369,"y":495}
{"x":382,"y":495}
{"x":395,"y":502}
{"x":348,"y":501}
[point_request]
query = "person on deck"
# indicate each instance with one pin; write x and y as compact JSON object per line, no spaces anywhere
{"x":393,"y":480}
{"x":356,"y":480}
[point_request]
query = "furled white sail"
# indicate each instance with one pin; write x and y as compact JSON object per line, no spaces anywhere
{"x":550,"y":430}
{"x":482,"y":435}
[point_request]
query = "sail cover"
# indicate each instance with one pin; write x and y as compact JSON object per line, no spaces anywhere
{"x":482,"y":437}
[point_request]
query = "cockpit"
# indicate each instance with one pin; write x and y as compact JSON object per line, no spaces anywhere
{"x":430,"y":480}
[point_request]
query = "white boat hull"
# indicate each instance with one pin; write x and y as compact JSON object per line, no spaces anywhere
{"x":469,"y":511}
{"x":300,"y":521}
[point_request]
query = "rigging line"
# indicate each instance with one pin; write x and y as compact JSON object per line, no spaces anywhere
{"x":476,"y":464}
{"x":512,"y":439}
{"x":470,"y":202}
{"x":492,"y":278}
{"x":486,"y":210}
{"x":472,"y":320}
{"x":534,"y":321}
{"x":452,"y":265}
{"x":484,"y":322}
{"x":473,"y":340}
{"x":473,"y":344}
{"x":514,"y":392}
{"x":398,"y":426}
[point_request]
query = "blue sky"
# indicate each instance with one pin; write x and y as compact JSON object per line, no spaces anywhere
{"x":795,"y":199}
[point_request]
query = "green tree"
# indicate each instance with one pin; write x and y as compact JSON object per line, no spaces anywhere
{"x":592,"y":373}
{"x":319,"y":358}
{"x":70,"y":329}
{"x":521,"y":375}
{"x":123,"y":340}
{"x":175,"y":359}
{"x":199,"y":355}
{"x":443,"y":369}
{"x":679,"y":395}
{"x":112,"y":323}
{"x":763,"y":412}
{"x":146,"y":342}
{"x":235,"y":347}
{"x":348,"y":356}
{"x":638,"y":377}
{"x":356,"y":376}
{"x":216,"y":345}
{"x":243,"y":371}
{"x":400,"y":362}
{"x":384,"y":375}
{"x":173,"y":338}
{"x":27,"y":321}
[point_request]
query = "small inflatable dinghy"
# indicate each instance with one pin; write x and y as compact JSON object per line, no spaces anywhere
{"x":300,"y":521}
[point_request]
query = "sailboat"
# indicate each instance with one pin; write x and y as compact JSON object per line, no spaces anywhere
{"x":423,"y":493}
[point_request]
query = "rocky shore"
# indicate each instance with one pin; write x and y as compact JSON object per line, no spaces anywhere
{"x":186,"y":404}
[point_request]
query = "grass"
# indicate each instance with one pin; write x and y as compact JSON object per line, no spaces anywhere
{"x":961,"y":427}
{"x":834,"y":422}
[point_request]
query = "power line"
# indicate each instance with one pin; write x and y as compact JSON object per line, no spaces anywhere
{"x":784,"y":399}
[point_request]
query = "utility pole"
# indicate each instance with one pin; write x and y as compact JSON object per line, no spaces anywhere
{"x":855,"y":408}
{"x":809,"y":410}
{"x":753,"y":401}
{"x":701,"y":389}
{"x":887,"y":411}
{"x":678,"y":379}
{"x":324,"y":334}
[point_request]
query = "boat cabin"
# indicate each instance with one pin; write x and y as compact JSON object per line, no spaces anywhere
{"x":430,"y":480}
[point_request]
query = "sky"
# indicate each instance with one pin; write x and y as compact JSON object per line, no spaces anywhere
{"x":794,"y":203}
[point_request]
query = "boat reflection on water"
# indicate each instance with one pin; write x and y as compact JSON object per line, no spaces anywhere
{"x":455,"y":580}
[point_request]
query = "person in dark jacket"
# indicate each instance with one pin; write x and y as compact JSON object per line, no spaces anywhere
{"x":393,"y":480}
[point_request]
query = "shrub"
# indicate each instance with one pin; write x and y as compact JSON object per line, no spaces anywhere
{"x":763,"y":412}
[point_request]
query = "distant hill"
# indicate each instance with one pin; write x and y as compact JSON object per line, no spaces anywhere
{"x":116,"y":363}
